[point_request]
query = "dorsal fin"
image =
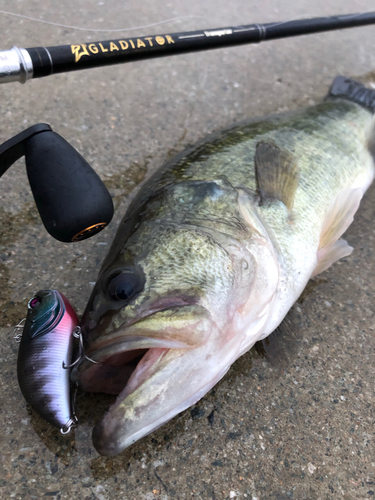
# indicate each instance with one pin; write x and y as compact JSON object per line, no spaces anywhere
{"x":276,"y":173}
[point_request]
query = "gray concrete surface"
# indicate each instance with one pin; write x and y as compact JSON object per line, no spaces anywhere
{"x":297,"y":427}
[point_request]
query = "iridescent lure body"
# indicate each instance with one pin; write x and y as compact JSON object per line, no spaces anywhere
{"x":46,"y":347}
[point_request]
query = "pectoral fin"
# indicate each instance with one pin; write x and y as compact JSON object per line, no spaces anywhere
{"x":276,"y":172}
{"x":327,"y":256}
{"x":338,"y":219}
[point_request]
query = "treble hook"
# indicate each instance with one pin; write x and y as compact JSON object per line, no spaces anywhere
{"x":77,"y":333}
{"x":73,"y":421}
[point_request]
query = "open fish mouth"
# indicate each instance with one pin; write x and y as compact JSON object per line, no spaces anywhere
{"x":139,"y":363}
{"x":117,"y":354}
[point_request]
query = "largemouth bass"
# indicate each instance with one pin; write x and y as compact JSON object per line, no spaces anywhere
{"x":214,"y":251}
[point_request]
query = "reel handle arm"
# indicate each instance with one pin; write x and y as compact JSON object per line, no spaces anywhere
{"x":14,"y":148}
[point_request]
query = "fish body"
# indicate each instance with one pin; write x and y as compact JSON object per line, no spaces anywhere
{"x":46,"y":344}
{"x":212,"y":254}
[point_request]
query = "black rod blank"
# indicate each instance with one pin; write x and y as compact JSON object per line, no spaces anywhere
{"x":43,"y":61}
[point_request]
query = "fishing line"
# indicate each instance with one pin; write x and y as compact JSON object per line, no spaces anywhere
{"x":97,"y":29}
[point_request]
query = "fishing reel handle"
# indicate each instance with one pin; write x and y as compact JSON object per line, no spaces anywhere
{"x":73,"y":202}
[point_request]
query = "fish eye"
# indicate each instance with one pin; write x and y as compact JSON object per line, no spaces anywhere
{"x":125,"y":285}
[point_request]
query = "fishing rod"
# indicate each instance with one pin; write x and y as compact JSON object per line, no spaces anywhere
{"x":72,"y":201}
{"x":20,"y":65}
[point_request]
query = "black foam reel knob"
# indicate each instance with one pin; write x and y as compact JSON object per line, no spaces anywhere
{"x":72,"y":201}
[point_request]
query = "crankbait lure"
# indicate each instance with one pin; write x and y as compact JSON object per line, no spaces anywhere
{"x":45,"y":353}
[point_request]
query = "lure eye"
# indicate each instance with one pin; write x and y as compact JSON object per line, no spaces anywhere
{"x":125,"y":285}
{"x":35,"y":302}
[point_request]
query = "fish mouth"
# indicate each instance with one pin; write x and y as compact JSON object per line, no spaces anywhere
{"x":179,"y":327}
{"x":127,"y":357}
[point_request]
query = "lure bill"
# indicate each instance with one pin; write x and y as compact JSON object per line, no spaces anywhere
{"x":45,"y":353}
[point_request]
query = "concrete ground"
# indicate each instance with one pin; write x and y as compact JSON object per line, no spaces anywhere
{"x":299,"y":426}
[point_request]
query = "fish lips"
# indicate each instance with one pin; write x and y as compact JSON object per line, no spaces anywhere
{"x":180,"y":327}
{"x":121,"y":357}
{"x":164,"y":383}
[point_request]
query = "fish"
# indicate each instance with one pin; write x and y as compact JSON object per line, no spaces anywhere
{"x":44,"y":355}
{"x":214,"y":251}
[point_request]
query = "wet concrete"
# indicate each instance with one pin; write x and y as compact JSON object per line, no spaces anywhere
{"x":296,"y":426}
